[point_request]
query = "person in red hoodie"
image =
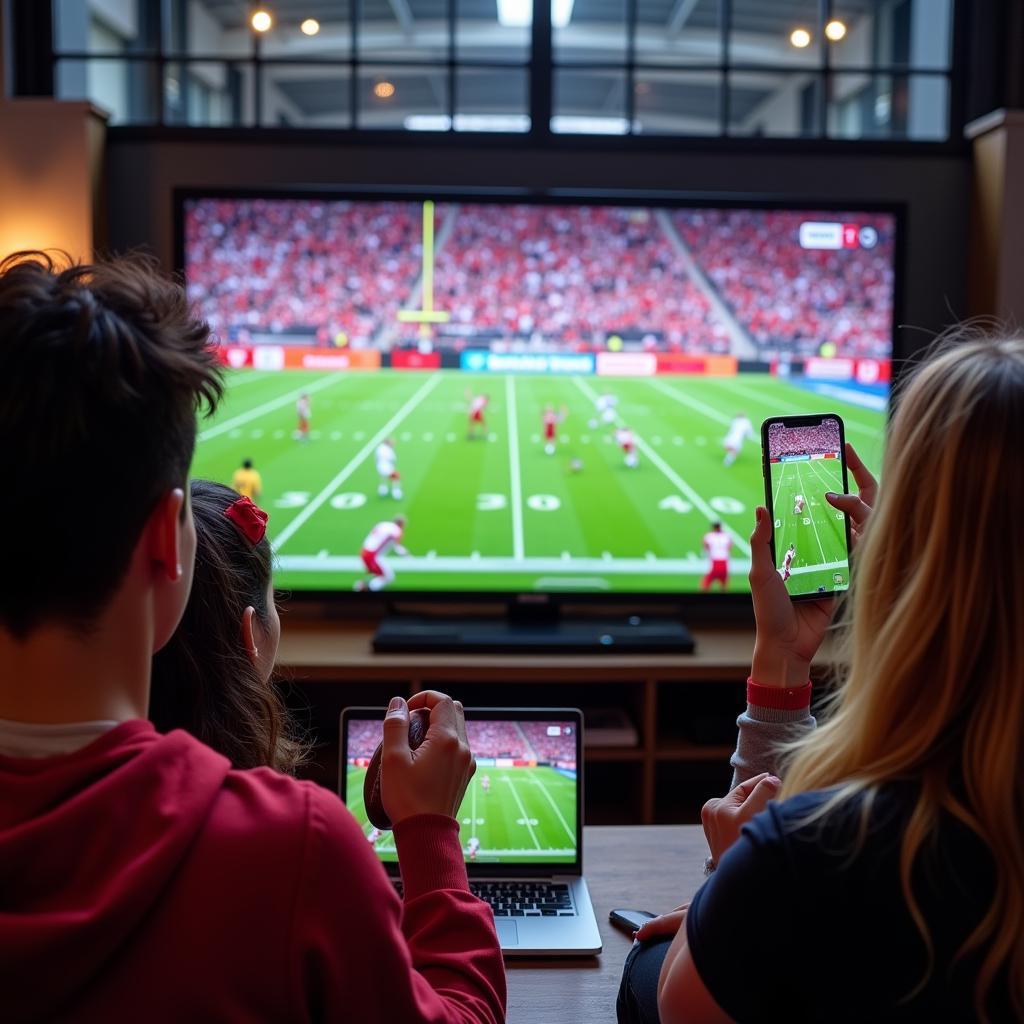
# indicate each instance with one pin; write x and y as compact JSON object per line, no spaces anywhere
{"x":141,"y":877}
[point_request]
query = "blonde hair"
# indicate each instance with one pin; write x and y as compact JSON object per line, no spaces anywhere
{"x":933,"y":691}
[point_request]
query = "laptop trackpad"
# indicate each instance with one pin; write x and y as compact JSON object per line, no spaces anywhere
{"x":508,"y":933}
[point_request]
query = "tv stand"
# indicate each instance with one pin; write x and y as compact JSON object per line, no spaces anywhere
{"x":533,"y":629}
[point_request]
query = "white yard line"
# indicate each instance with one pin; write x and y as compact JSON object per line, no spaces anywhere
{"x":693,"y":403}
{"x":274,"y":403}
{"x":522,"y":811}
{"x":755,"y":396}
{"x":568,"y":831}
{"x":513,"y":465}
{"x":308,"y":510}
{"x":673,"y":476}
{"x":817,"y":472}
{"x":814,"y":525}
{"x":818,"y":567}
{"x":778,"y":487}
{"x":558,"y":566}
{"x":242,"y":378}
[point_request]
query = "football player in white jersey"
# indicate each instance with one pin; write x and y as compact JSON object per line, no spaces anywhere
{"x":787,"y":563}
{"x":739,"y":430}
{"x":387,"y":470}
{"x":382,"y":539}
{"x":798,"y":504}
{"x":303,"y":413}
{"x":717,"y":543}
{"x":477,"y":426}
{"x":605,"y":406}
{"x":625,"y":440}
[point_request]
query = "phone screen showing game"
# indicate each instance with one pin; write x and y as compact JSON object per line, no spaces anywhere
{"x":804,"y":458}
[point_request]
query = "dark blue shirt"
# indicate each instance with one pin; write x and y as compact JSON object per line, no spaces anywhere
{"x":798,"y":924}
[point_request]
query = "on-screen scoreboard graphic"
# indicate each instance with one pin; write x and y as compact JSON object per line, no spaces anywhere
{"x":614,"y":348}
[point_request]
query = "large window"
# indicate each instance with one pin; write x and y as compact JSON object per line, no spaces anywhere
{"x":840,"y":69}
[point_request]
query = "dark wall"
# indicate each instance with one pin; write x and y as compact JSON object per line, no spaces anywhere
{"x":141,"y":176}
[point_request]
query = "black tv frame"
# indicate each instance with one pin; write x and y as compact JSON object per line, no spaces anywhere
{"x":695,"y":606}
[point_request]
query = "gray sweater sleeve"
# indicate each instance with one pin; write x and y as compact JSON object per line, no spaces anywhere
{"x":762,"y":732}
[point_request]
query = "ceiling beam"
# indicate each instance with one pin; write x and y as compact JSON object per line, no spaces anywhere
{"x":679,"y":15}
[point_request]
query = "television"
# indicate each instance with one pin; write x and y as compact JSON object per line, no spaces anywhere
{"x":529,"y":394}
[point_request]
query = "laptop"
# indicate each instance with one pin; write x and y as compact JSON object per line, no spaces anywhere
{"x":520,"y":822}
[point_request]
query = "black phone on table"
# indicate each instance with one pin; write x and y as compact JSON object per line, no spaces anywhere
{"x":802,"y":458}
{"x":629,"y":921}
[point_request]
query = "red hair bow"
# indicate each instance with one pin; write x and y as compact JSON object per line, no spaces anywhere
{"x":249,"y":519}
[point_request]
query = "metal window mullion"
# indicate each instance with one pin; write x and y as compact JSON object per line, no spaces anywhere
{"x":824,"y":76}
{"x":452,"y":13}
{"x":631,"y":20}
{"x":161,"y":98}
{"x":725,"y":19}
{"x":542,"y":71}
{"x":354,"y":13}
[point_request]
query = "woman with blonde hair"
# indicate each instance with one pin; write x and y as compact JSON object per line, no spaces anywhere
{"x":885,"y":879}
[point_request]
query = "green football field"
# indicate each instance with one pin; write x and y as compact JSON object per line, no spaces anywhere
{"x":527,"y":815}
{"x":817,"y":532}
{"x":497,"y":513}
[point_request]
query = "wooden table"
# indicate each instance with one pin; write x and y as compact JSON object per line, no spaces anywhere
{"x":643,"y":867}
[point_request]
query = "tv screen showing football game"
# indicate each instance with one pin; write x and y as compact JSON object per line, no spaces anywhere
{"x":805,"y":462}
{"x":514,"y":396}
{"x":520,"y":806}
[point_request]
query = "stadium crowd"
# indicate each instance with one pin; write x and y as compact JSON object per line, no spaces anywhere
{"x":276,"y":265}
{"x":790,"y":299}
{"x":818,"y":440}
{"x":562,"y":277}
{"x":497,"y":739}
{"x":572,"y":276}
{"x":559,"y":749}
{"x":363,"y":738}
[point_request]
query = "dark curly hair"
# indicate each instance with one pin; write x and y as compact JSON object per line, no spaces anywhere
{"x":203,"y":679}
{"x":102,"y":370}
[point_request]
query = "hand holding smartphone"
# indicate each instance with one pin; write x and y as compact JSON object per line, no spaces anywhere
{"x":802,"y":458}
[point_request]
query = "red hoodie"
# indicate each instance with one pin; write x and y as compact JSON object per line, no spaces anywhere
{"x":142,"y":879}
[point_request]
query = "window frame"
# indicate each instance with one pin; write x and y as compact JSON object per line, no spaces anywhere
{"x":35,"y":73}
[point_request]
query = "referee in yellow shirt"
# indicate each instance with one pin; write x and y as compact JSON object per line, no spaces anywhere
{"x":247,"y":481}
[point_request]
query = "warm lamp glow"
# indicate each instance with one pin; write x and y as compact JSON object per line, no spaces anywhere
{"x":310,"y":27}
{"x":800,"y":38}
{"x":261,"y":21}
{"x":835,"y":30}
{"x":384,"y":90}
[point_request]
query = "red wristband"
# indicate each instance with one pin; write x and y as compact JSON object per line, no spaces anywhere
{"x":780,"y":698}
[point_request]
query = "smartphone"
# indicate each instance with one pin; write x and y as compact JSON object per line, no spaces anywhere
{"x":803,"y":457}
{"x":629,"y":921}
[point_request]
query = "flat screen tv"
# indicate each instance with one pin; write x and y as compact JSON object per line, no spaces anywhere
{"x":510,"y":394}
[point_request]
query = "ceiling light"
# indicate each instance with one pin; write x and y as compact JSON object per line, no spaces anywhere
{"x":384,"y":90}
{"x":310,"y":27}
{"x":561,"y":12}
{"x":800,"y":38}
{"x":515,"y":13}
{"x":573,"y":124}
{"x":468,"y":123}
{"x":519,"y":13}
{"x":261,"y":21}
{"x":835,"y":30}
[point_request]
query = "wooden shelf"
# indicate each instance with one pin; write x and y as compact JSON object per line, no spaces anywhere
{"x":613,"y":753}
{"x":674,"y":701}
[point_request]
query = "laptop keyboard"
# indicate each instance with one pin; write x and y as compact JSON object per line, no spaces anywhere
{"x":524,"y":898}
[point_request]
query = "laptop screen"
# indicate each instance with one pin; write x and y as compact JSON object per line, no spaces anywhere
{"x":520,"y":806}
